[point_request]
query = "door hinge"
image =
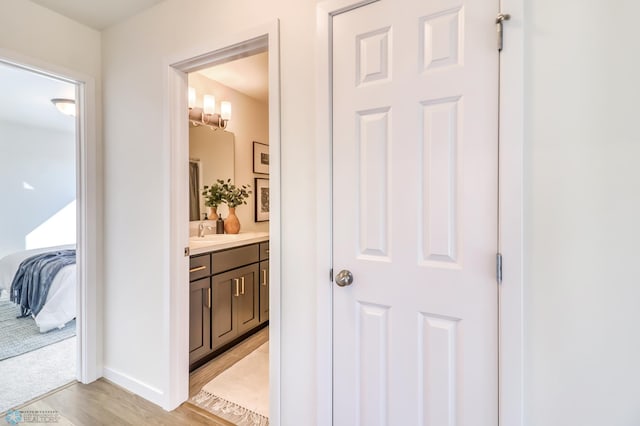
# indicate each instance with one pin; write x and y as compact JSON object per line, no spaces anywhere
{"x":187,"y":251}
{"x":499,"y":268}
{"x":499,"y":28}
{"x":331,"y":274}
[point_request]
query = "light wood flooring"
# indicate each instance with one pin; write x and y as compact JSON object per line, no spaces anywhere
{"x":103,"y":403}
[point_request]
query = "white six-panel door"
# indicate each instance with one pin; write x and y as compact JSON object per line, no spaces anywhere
{"x":415,"y":99}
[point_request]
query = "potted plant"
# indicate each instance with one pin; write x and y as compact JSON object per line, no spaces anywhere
{"x":213,"y":197}
{"x":233,"y":196}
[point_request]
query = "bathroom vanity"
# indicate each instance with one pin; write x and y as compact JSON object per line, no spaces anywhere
{"x":229,"y":292}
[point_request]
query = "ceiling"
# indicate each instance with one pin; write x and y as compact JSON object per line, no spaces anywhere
{"x":97,"y":14}
{"x":248,"y":75}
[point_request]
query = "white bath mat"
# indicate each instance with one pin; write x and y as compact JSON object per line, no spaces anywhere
{"x":241,"y":393}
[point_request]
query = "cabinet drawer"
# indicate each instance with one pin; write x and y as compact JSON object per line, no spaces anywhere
{"x":235,"y":258}
{"x":264,"y":250}
{"x":199,"y":266}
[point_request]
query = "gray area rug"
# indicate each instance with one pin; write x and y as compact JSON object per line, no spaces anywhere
{"x":21,"y":335}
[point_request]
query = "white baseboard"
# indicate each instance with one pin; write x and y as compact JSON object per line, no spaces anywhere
{"x":134,"y":385}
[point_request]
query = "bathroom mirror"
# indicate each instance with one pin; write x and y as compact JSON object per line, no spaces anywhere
{"x":211,"y":157}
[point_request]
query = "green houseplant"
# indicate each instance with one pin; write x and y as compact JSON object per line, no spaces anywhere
{"x":229,"y":194}
{"x":234,"y":196}
{"x":213,"y":197}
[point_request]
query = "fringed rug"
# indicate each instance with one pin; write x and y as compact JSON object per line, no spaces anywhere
{"x":241,"y":393}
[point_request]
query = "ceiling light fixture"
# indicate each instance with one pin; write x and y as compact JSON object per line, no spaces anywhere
{"x":65,"y":106}
{"x":206,"y":115}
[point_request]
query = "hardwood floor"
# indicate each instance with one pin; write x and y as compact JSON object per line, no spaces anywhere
{"x":103,"y":403}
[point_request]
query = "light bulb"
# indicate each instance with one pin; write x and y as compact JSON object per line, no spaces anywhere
{"x":209,"y":104}
{"x":192,"y":97}
{"x":225,"y":110}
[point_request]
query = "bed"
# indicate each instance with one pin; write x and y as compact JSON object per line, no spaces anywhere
{"x":60,"y":304}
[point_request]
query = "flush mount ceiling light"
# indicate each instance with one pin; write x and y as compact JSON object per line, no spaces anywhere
{"x":206,"y":116}
{"x":65,"y":106}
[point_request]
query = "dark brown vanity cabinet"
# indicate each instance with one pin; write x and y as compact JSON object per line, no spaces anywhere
{"x":235,"y":304}
{"x":264,"y":282}
{"x":199,"y":307}
{"x":232,"y":300}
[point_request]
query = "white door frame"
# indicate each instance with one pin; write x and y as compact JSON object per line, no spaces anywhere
{"x":88,"y":202}
{"x":511,"y":364}
{"x":176,"y":295}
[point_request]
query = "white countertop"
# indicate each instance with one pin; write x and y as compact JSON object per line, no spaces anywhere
{"x":215,"y":242}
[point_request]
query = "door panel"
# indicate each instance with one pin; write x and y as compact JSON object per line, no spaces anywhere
{"x":264,"y":291}
{"x":248,"y":300}
{"x":223,"y":324}
{"x":415,"y":213}
{"x":199,"y":319}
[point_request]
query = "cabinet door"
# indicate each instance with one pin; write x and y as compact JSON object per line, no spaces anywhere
{"x":248,"y":303}
{"x":264,"y":291}
{"x":226,"y":289}
{"x":199,"y":319}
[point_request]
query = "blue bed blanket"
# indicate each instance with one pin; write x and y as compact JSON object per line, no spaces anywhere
{"x":30,"y":285}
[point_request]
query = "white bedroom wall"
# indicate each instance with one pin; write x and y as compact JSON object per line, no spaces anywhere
{"x":582,"y":204}
{"x":137,"y":187}
{"x":249,"y":122}
{"x":37,"y":171}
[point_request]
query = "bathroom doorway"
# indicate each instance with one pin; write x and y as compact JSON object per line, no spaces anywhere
{"x":228,"y":288}
{"x":260,"y":44}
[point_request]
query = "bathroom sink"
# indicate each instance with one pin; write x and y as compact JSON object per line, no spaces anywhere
{"x":223,"y":238}
{"x":214,"y":238}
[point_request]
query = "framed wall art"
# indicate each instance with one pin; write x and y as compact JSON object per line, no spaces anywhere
{"x":262,"y":199}
{"x":260,"y":158}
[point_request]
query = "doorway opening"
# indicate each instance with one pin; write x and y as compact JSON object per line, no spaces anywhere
{"x":256,"y":249}
{"x":42,"y":230}
{"x":229,"y":301}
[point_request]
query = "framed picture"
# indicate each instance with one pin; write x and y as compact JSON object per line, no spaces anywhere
{"x":262,"y":199}
{"x":260,"y":158}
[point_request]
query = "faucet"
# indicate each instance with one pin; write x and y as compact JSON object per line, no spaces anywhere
{"x":201,"y":228}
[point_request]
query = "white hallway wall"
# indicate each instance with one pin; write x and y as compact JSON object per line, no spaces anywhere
{"x":136,"y":185}
{"x":38,"y":33}
{"x":37,"y":171}
{"x":582,"y":210}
